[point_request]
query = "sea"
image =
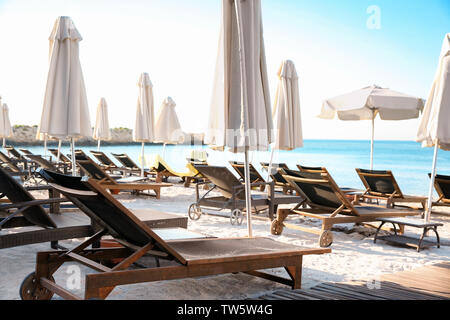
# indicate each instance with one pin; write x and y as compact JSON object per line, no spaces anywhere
{"x":409,"y":162}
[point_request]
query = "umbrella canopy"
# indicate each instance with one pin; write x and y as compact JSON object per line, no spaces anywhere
{"x":286,"y":109}
{"x":101,"y":128}
{"x":143,"y":129}
{"x":434,"y":128}
{"x":144,"y":125}
{"x":65,"y":112}
{"x":240,"y":113}
{"x":368,"y":102}
{"x":167,"y":126}
{"x":5,"y":124}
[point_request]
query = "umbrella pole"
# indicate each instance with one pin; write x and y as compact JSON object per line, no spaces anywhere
{"x":59,"y":150}
{"x":430,"y":191}
{"x":248,"y":198}
{"x":164,"y":150}
{"x":74,"y":166}
{"x":98,"y":145}
{"x":45,"y":145}
{"x":4,"y":143}
{"x":371,"y":143}
{"x":269,"y":170}
{"x":142,"y":159}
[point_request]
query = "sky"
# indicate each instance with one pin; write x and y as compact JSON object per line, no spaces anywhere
{"x":337,"y":47}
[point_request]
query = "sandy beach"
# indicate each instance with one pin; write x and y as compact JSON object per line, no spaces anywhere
{"x":354,"y":256}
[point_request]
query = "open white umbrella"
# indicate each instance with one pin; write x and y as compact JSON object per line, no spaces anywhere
{"x":5,"y":124}
{"x":65,"y":112}
{"x":167,"y":126}
{"x":286,"y":111}
{"x":367,"y":103}
{"x":101,"y":128}
{"x":434,"y":128}
{"x":143,"y":129}
{"x":240,"y":115}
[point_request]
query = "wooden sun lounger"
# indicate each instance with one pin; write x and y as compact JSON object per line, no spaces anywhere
{"x":23,"y":210}
{"x":353,"y":193}
{"x":13,"y":168}
{"x":108,"y":165}
{"x":277,"y":176}
{"x":129,"y":164}
{"x":191,"y":258}
{"x":255,"y":177}
{"x":62,"y":157}
{"x":96,"y":172}
{"x":442,"y":186}
{"x":164,"y":170}
{"x":13,"y":152}
{"x":381,"y":185}
{"x":44,"y":163}
{"x":233,"y":195}
{"x":329,"y":204}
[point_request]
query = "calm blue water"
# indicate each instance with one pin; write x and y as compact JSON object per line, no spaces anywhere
{"x":409,"y":162}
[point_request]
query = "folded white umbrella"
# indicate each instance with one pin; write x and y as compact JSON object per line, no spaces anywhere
{"x":65,"y":113}
{"x":240,"y":114}
{"x":5,"y":124}
{"x":167,"y":126}
{"x":368,"y":102}
{"x":144,"y":125}
{"x":101,"y":128}
{"x":434,"y":128}
{"x":286,"y":111}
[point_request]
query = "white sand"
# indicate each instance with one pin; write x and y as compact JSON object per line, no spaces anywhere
{"x":354,"y":256}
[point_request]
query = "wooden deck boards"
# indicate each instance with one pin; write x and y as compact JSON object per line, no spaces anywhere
{"x":427,"y":283}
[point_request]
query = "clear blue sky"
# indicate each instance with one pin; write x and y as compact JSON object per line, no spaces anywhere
{"x":175,"y":41}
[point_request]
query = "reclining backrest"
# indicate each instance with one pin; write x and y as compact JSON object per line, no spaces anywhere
{"x":16,"y":193}
{"x":8,"y":163}
{"x":16,"y":154}
{"x":44,"y":163}
{"x":240,"y":169}
{"x":91,"y":169}
{"x":25,"y":151}
{"x":80,"y":155}
{"x":159,"y":164}
{"x":98,"y":204}
{"x":277,"y":171}
{"x":316,"y":187}
{"x":442,"y":184}
{"x":223,"y":179}
{"x":125,"y":160}
{"x":103,"y":158}
{"x":378,"y":181}
{"x":312,"y":169}
{"x":62,"y":157}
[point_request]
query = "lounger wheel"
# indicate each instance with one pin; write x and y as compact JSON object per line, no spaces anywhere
{"x":30,"y":289}
{"x":326,"y":238}
{"x":194,"y":211}
{"x":236,"y":217}
{"x":276,"y":228}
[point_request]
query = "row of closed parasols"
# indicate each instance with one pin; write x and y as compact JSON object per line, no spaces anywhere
{"x":241,"y":118}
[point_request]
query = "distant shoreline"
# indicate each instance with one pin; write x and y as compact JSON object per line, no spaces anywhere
{"x":25,"y":135}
